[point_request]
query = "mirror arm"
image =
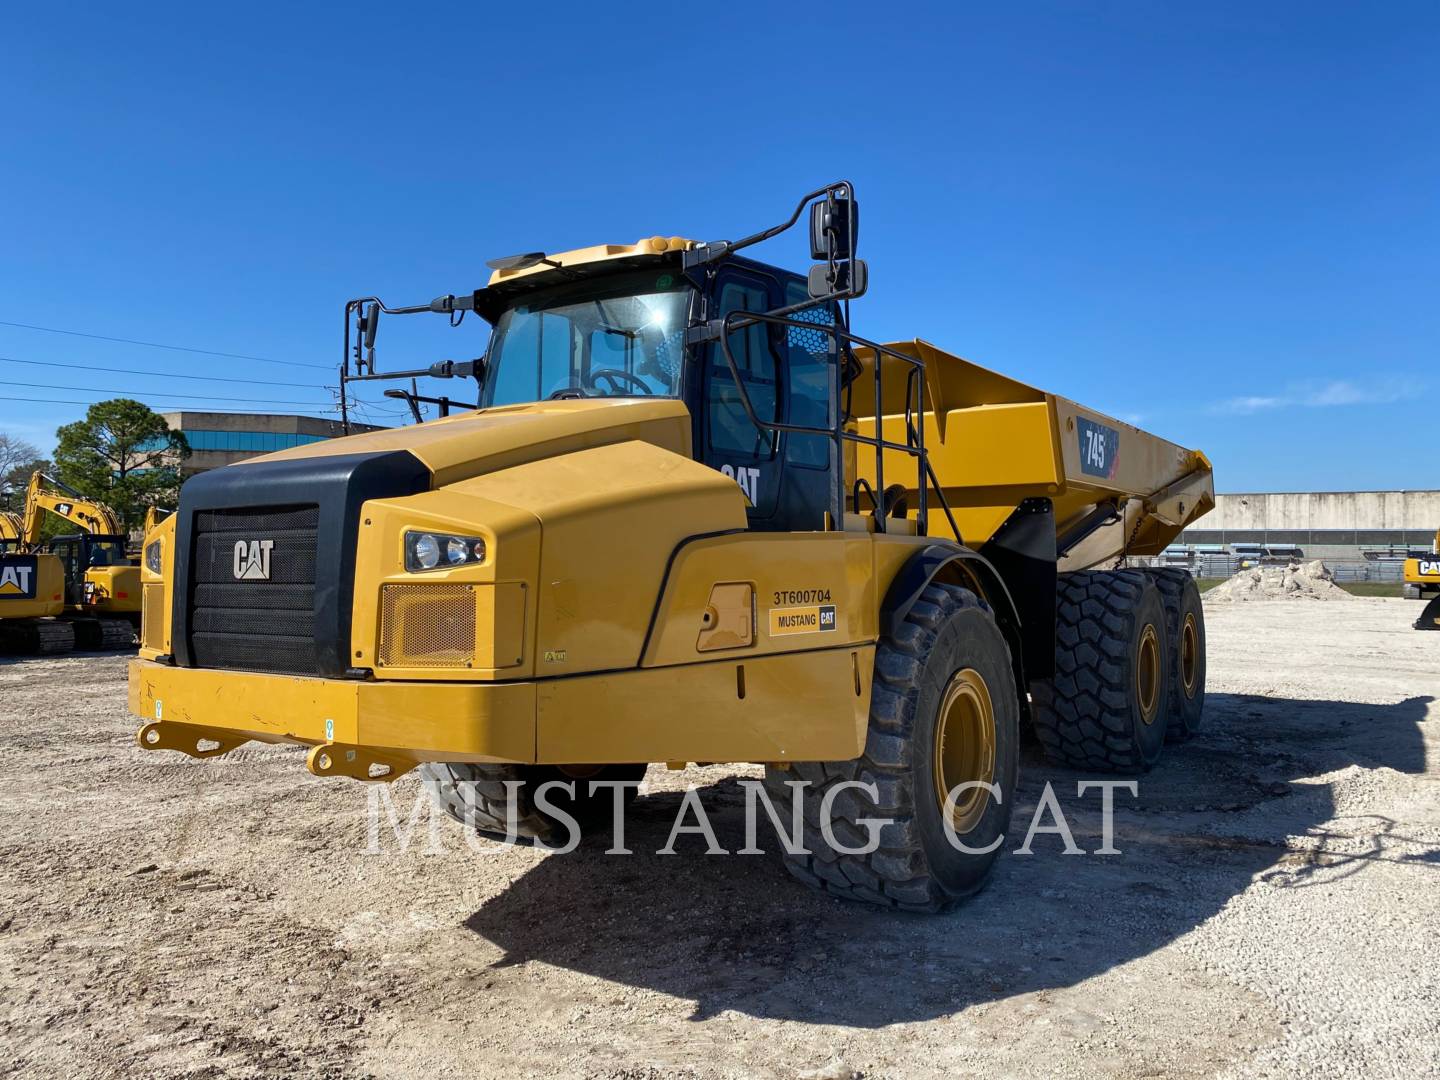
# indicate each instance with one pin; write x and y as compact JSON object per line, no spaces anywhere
{"x":718,"y":249}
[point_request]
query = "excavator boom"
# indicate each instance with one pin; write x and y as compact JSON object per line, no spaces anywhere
{"x":46,"y":494}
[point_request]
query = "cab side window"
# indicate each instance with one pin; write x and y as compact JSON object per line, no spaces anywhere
{"x":807,"y":386}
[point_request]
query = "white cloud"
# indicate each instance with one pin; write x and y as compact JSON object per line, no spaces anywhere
{"x":1319,"y":395}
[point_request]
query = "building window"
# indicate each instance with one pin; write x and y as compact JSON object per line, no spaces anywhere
{"x":252,"y":442}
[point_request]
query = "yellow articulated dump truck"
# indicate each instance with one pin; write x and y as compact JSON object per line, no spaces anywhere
{"x":686,"y":515}
{"x":1422,"y":580}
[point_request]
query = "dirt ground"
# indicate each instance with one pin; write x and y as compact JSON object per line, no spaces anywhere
{"x":1274,"y":910}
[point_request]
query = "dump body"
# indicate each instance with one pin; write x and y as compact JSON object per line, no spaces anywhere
{"x":994,"y":442}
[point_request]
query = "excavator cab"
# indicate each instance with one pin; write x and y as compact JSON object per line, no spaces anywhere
{"x":84,"y":553}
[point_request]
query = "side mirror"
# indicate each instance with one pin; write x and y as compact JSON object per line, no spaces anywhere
{"x":834,"y":229}
{"x":369,"y":324}
{"x":848,"y":278}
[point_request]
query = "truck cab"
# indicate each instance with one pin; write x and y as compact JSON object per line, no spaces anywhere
{"x":618,"y":333}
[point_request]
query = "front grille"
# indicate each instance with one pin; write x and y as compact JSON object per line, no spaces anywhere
{"x":265,"y":624}
{"x":427,"y":626}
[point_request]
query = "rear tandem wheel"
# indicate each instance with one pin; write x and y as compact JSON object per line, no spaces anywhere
{"x":1107,"y":705}
{"x":1185,"y":624}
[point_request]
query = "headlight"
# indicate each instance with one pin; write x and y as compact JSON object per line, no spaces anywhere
{"x":441,"y":551}
{"x":153,"y":551}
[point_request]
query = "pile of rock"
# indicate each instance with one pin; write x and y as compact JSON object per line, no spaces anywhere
{"x":1298,"y":581}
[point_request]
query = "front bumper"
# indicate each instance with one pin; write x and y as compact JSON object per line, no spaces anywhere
{"x":809,"y":706}
{"x":357,"y":728}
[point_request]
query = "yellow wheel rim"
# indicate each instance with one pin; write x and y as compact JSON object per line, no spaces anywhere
{"x":1189,"y":654}
{"x":965,"y":748}
{"x":1147,"y":674}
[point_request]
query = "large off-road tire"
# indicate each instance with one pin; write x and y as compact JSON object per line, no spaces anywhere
{"x":1106,"y":706}
{"x":1185,"y":625}
{"x":943,"y":709}
{"x":486,"y":797}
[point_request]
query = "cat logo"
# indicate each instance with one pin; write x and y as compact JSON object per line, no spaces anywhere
{"x":17,"y":578}
{"x":63,"y":509}
{"x":1429,"y":567}
{"x":252,"y":560}
{"x":747,"y":478}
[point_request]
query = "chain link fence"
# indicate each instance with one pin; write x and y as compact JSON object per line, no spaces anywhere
{"x":1225,"y":564}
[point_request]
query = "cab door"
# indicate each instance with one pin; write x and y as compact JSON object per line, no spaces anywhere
{"x":786,"y":373}
{"x":69,"y":551}
{"x":733,"y":444}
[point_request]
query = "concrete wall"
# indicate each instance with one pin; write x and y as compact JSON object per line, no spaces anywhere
{"x":1333,"y":525}
{"x":1290,"y":510}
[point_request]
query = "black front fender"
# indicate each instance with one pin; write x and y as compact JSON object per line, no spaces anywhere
{"x":953,"y":563}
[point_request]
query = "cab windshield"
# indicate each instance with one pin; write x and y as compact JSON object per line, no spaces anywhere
{"x":617,"y":336}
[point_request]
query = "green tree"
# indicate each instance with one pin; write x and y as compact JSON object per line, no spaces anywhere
{"x":123,"y":453}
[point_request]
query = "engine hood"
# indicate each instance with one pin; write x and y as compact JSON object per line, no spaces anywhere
{"x":473,"y":443}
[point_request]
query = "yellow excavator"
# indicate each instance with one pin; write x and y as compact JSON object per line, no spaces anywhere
{"x":1422,"y":579}
{"x":102,"y":583}
{"x":32,"y":594}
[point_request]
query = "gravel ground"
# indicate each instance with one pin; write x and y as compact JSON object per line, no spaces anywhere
{"x":1273,"y":911}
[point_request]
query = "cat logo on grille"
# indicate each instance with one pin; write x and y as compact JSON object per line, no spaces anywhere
{"x":252,"y":560}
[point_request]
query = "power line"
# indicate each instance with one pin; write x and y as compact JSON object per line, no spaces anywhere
{"x":160,"y":374}
{"x":189,"y":397}
{"x":157,"y":345}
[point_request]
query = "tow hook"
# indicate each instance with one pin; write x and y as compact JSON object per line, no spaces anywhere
{"x":192,"y":739}
{"x":356,"y":762}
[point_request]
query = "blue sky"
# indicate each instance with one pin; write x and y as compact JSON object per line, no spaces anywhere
{"x":1221,"y":221}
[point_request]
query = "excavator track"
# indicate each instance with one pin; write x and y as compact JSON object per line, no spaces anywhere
{"x":37,"y":637}
{"x":98,"y":634}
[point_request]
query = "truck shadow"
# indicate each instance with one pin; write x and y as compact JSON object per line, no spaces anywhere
{"x":736,"y":933}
